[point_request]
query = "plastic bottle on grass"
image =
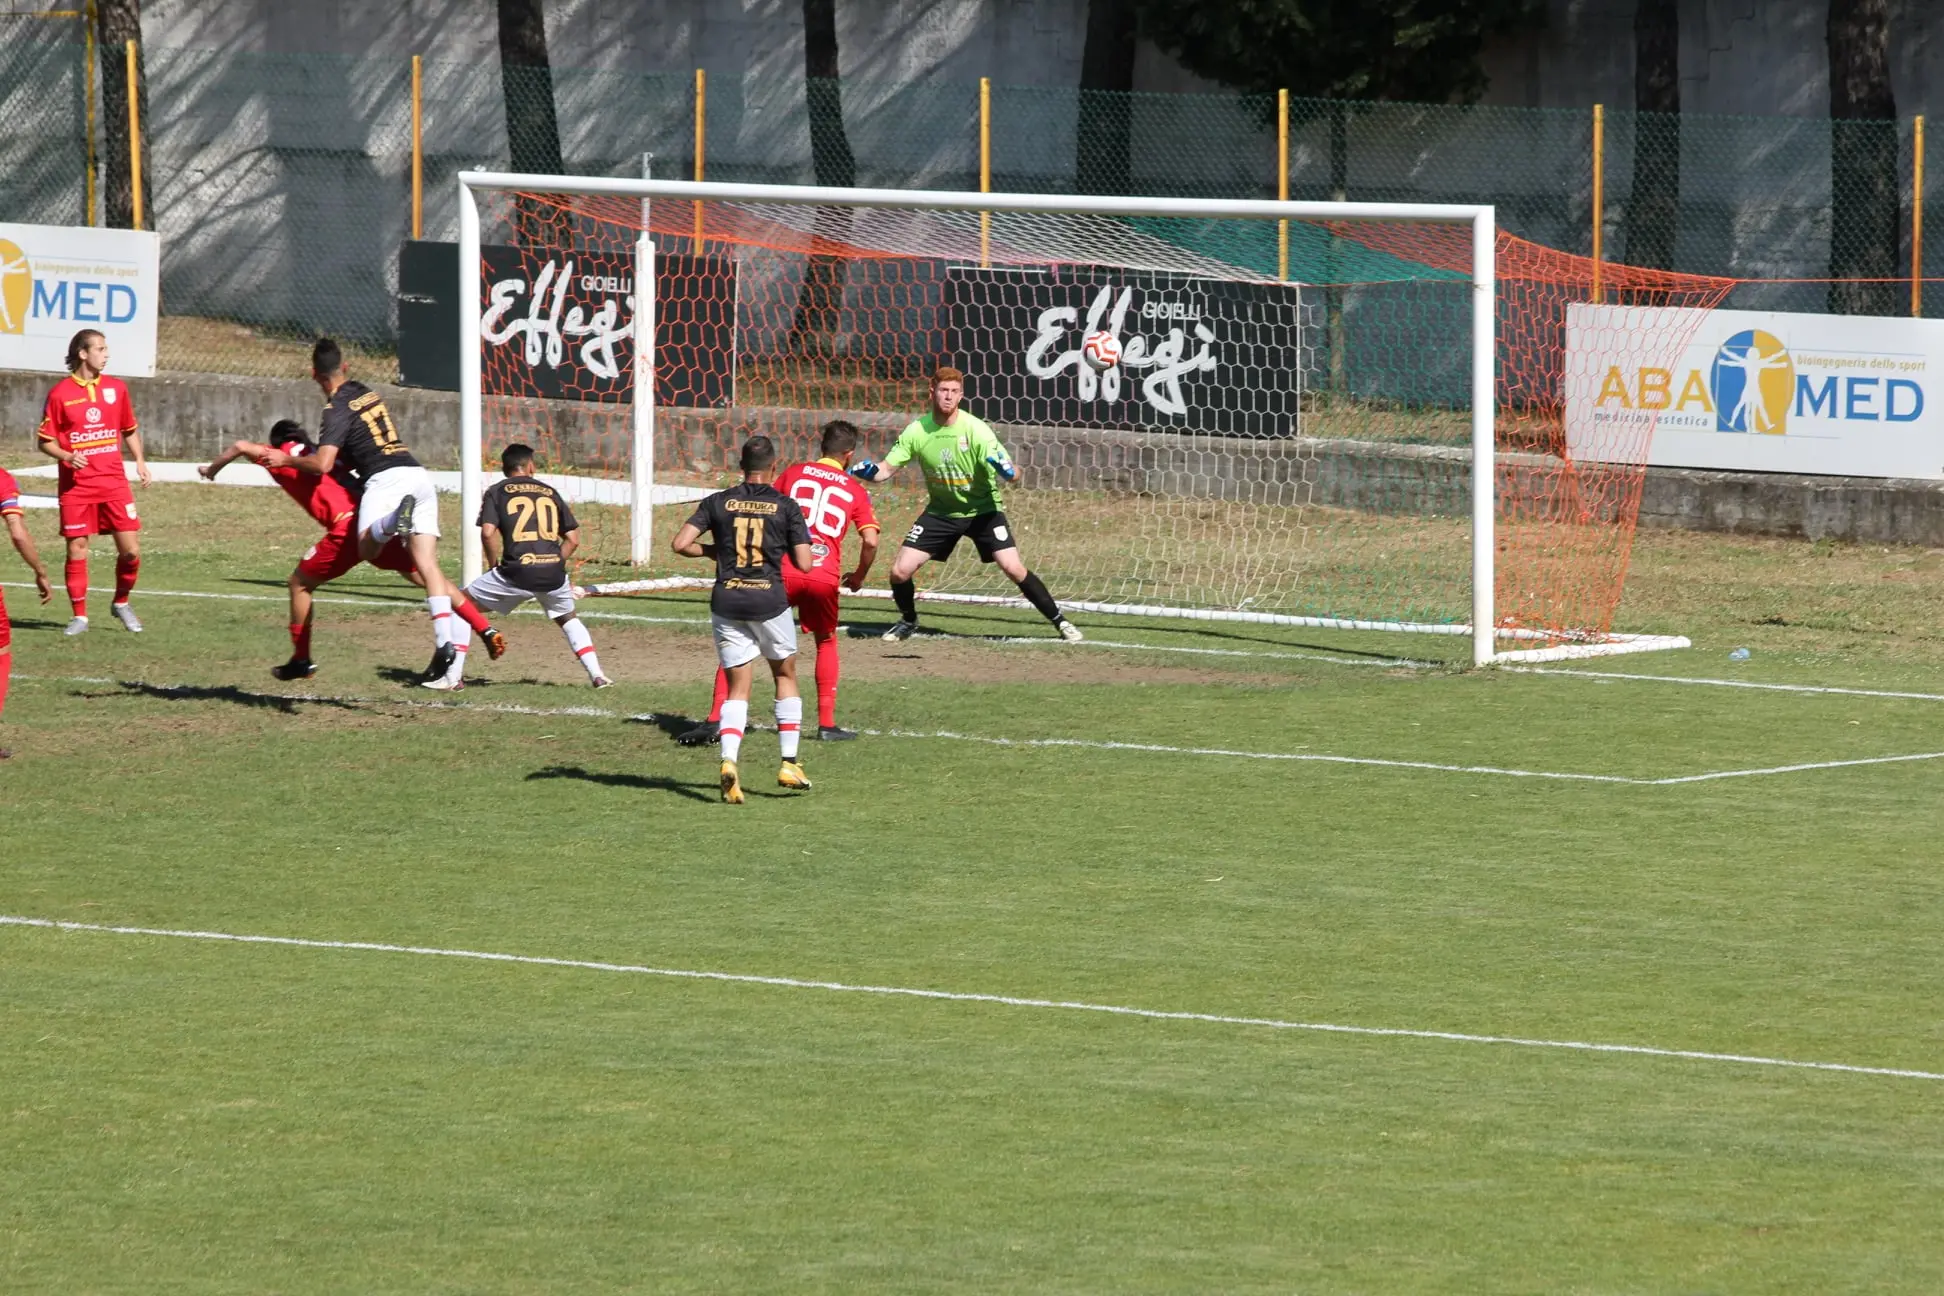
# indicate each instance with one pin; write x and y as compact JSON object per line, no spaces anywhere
{"x":1740,"y":654}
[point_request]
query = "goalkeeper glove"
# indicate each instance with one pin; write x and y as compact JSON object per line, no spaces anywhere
{"x":864,"y":470}
{"x":1004,"y":467}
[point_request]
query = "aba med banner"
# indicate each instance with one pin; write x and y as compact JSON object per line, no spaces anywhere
{"x":56,"y":280}
{"x":1199,"y":355}
{"x":1756,"y":391}
{"x":562,"y":327}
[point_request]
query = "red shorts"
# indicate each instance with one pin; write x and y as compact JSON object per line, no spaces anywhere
{"x":336,"y":552}
{"x":86,"y":515}
{"x":815,"y":603}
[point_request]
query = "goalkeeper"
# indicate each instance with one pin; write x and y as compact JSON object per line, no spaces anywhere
{"x":963,"y":463}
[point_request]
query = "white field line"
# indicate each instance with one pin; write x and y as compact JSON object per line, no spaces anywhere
{"x":1727,"y":683}
{"x":953,"y":996}
{"x":1088,"y":744}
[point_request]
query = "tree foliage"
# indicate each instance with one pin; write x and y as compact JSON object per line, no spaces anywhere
{"x":1423,"y":51}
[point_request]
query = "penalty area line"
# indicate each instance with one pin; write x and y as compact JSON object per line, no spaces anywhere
{"x":969,"y":997}
{"x":192,"y":692}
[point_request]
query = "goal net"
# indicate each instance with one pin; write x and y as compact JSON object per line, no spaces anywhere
{"x":1335,"y":415}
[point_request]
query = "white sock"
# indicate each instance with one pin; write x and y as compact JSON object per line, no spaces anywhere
{"x":583,"y":645}
{"x":460,"y":634}
{"x":735,"y":716}
{"x":457,"y":671}
{"x":789,"y":724}
{"x":441,"y":609}
{"x":380,"y":530}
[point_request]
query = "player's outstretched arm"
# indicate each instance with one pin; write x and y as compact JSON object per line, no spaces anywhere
{"x":867,"y":549}
{"x":871,"y":471}
{"x":238,"y":450}
{"x":24,"y":542}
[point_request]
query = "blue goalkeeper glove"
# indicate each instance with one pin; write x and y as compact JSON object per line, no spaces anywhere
{"x":864,"y":470}
{"x":1004,"y":467}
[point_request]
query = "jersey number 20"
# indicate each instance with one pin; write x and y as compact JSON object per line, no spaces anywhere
{"x":534,"y":518}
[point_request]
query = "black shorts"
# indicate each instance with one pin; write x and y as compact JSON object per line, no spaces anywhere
{"x":938,"y":536}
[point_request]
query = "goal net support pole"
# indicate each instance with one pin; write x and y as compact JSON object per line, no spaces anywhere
{"x":1484,"y":378}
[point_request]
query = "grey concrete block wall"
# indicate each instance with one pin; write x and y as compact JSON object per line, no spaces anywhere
{"x":194,"y":416}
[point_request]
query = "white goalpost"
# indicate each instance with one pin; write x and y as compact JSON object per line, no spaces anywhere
{"x":1377,"y":502}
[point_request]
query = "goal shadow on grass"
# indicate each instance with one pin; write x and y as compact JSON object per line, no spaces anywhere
{"x":286,"y":704}
{"x":635,"y":782}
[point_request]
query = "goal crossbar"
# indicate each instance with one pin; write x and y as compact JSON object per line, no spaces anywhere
{"x":1480,"y":220}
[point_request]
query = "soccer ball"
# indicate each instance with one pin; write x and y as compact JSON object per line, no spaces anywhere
{"x":1101,"y":351}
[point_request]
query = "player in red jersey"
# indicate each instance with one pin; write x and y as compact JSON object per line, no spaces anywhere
{"x":87,"y":418}
{"x":336,"y":552}
{"x":833,"y":502}
{"x":15,"y":516}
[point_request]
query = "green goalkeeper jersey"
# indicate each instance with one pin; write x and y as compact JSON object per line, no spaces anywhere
{"x":959,"y":480}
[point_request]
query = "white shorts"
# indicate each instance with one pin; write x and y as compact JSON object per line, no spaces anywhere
{"x":499,"y":595}
{"x":385,"y":491}
{"x":739,"y":643}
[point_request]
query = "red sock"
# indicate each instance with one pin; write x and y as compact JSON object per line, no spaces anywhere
{"x":77,"y":585}
{"x":827,"y":681}
{"x":721,"y":695}
{"x":469,"y":613}
{"x":300,"y":640}
{"x":6,"y":672}
{"x":125,"y":568}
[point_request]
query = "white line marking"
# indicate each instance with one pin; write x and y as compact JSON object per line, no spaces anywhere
{"x":952,"y":996}
{"x":1729,"y":683}
{"x":1090,"y":744}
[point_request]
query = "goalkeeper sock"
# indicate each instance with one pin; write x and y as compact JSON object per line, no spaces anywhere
{"x":77,"y":585}
{"x":469,"y":613}
{"x":127,"y":566}
{"x":300,"y":640}
{"x":441,"y":609}
{"x":906,"y":594}
{"x":827,"y":681}
{"x":721,"y":695}
{"x":1035,"y":591}
{"x":583,"y":645}
{"x":789,"y":725}
{"x":734,"y":716}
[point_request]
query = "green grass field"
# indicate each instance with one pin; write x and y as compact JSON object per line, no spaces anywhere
{"x":190,"y":1114}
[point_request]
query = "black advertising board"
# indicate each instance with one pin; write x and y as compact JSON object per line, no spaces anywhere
{"x":562,"y":326}
{"x":1198,"y":355}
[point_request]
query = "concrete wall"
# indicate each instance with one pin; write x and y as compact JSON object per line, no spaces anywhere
{"x":196,"y":417}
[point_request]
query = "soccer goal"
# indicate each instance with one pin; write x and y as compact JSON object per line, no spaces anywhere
{"x":1343,"y":416}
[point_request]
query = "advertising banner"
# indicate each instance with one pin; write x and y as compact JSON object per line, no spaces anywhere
{"x":563,"y":328}
{"x":56,"y":280}
{"x":1198,"y":355}
{"x":1756,"y":391}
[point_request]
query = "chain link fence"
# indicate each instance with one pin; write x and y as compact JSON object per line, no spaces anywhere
{"x":282,"y":184}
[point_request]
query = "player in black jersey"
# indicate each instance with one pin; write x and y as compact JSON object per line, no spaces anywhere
{"x":754,"y":525}
{"x":529,"y":533}
{"x":360,"y":446}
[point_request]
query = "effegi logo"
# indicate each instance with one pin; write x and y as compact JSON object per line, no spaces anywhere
{"x":16,"y":288}
{"x":1752,"y":381}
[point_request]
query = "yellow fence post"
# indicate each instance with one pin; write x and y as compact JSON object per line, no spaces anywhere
{"x":985,"y":167}
{"x":1599,"y":198}
{"x":1282,"y":182}
{"x":701,"y":138}
{"x":87,"y":100}
{"x":134,"y":137}
{"x":1917,"y":221}
{"x":418,"y":148}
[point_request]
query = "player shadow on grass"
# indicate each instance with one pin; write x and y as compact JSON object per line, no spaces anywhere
{"x":374,"y":593}
{"x":670,"y":723}
{"x":287,"y":704}
{"x":640,"y":782}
